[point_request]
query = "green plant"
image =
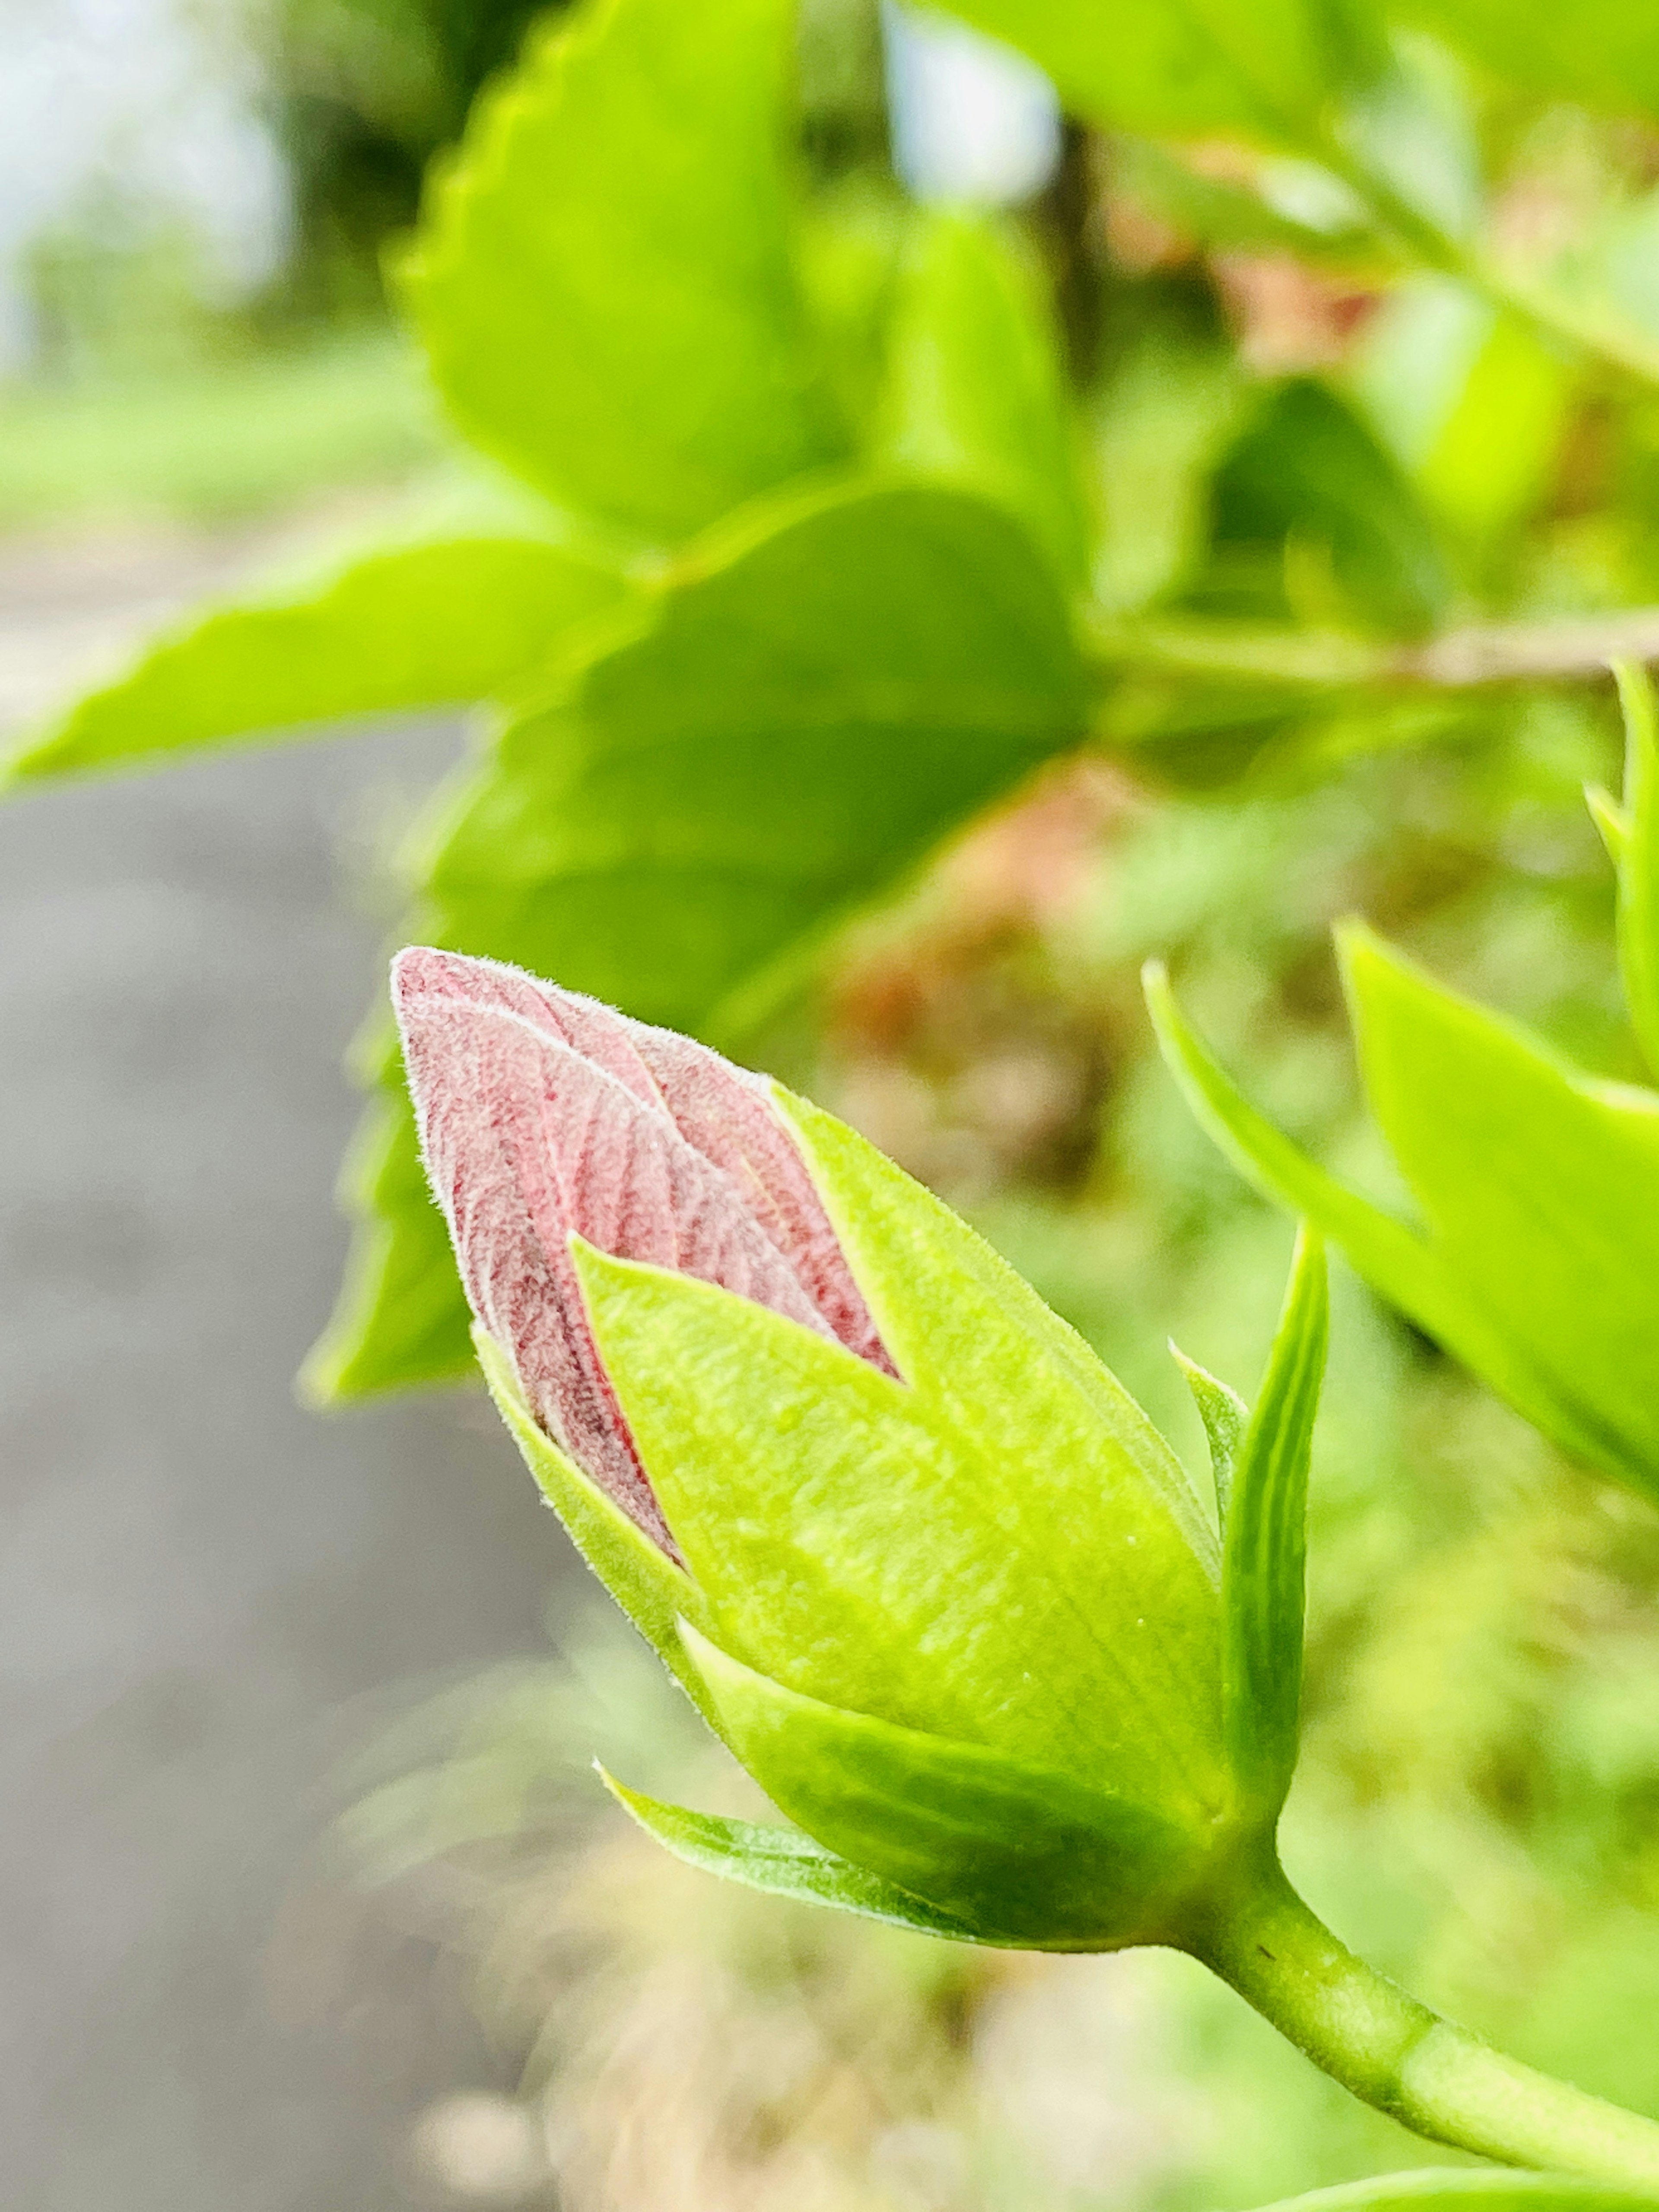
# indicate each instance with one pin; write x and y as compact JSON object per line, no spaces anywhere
{"x":823,"y":536}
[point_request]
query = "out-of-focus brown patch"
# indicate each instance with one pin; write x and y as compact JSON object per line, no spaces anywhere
{"x":1288,"y":317}
{"x":951,"y":1040}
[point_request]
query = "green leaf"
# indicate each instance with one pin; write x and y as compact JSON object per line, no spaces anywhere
{"x":790,"y":721}
{"x":999,"y":1550}
{"x":1022,"y":1855}
{"x":1541,"y":1189}
{"x":1264,"y":1545}
{"x":1182,"y":68}
{"x":1307,"y":481}
{"x":1637,"y":858}
{"x":1470,"y":401}
{"x":976,"y":389}
{"x":1481,"y":2189}
{"x":779,"y":1864}
{"x":401,"y":1317}
{"x":1540,"y":1265}
{"x":656,"y":1594}
{"x":421,"y":625}
{"x":1602,"y":53}
{"x":604,"y":280}
{"x":1289,"y":208}
{"x":1225,"y":1418}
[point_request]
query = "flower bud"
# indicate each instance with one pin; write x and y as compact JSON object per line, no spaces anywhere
{"x":921,"y":1560}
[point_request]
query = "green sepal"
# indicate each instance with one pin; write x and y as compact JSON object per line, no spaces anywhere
{"x":961,"y":1324}
{"x":1636,"y":857}
{"x":1022,"y":1854}
{"x":1264,"y":1545}
{"x":988,"y":1550}
{"x":1481,"y":2188}
{"x":1539,"y":1268}
{"x":654,"y":1594}
{"x":1225,"y":1418}
{"x":780,"y":1862}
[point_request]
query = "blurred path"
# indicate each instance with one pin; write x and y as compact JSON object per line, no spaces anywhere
{"x":204,"y":1592}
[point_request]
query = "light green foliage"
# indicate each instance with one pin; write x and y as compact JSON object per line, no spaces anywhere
{"x":1022,"y":1854}
{"x":451,"y":620}
{"x":1264,"y":1547}
{"x":1600,"y":52}
{"x":976,"y":389}
{"x":1540,"y":1193}
{"x":1183,"y":68}
{"x":606,"y":282}
{"x":1634,"y":846}
{"x":780,"y":1862}
{"x":895,"y":658}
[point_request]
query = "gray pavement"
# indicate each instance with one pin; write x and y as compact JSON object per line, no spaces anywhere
{"x":207,"y":1596}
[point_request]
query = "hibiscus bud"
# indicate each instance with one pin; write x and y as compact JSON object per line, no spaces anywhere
{"x":921,"y":1560}
{"x":545,"y":1115}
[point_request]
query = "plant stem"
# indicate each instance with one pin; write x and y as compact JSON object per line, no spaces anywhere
{"x":1431,"y":2077}
{"x":1471,"y":658}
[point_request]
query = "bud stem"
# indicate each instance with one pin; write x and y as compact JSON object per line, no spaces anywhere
{"x":1430,"y":2075}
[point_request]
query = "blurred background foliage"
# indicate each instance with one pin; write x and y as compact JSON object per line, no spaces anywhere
{"x":1281,"y":419}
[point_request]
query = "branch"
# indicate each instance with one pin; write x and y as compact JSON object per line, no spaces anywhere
{"x":1470,"y":659}
{"x":1537,"y":652}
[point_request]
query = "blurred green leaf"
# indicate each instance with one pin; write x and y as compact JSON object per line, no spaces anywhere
{"x":1264,"y":1545}
{"x":400,"y":1318}
{"x":779,"y":1862}
{"x":605,"y":279}
{"x":1539,"y":1187}
{"x":1287,"y":206}
{"x":1637,"y":858}
{"x":1308,"y":484}
{"x":1022,"y":1855}
{"x":797,"y":715}
{"x":1600,"y":52}
{"x":1168,"y":399}
{"x":421,"y":625}
{"x":1257,"y":69}
{"x":1469,"y":400}
{"x":976,"y":389}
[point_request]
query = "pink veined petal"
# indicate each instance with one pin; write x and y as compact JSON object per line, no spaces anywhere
{"x":544,"y":1113}
{"x":723,"y":1111}
{"x":728,"y":1115}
